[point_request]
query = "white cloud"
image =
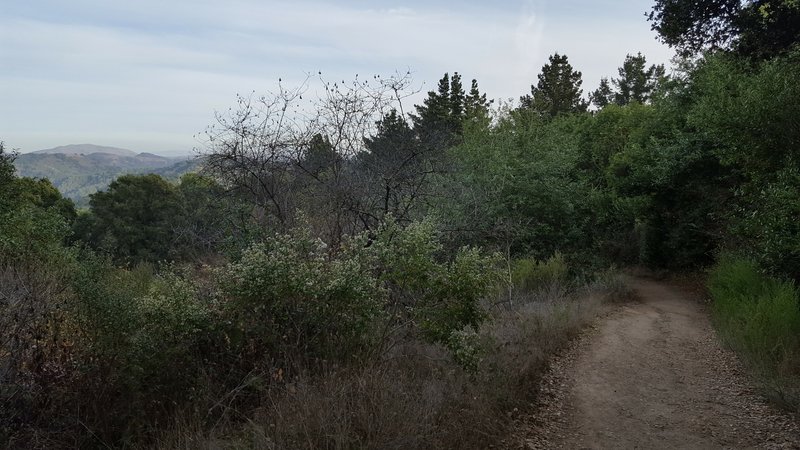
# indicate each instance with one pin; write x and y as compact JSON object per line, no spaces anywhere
{"x":151,"y":73}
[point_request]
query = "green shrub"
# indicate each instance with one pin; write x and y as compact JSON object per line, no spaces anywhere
{"x":760,"y":318}
{"x":766,"y":222}
{"x":144,"y":344}
{"x":106,"y":304}
{"x":440,"y":297}
{"x":173,"y":320}
{"x":291,"y":296}
{"x":529,"y":274}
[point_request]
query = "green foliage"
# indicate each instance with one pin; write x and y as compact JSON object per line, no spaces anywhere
{"x":290,"y":297}
{"x":434,"y":121}
{"x":760,"y":317}
{"x":144,"y":218}
{"x":465,"y":346}
{"x":766,"y":223}
{"x":441,"y":297}
{"x":515,"y":186}
{"x":603,"y":95}
{"x":394,"y":167}
{"x":7,"y":179}
{"x":319,"y":156}
{"x":458,"y":290}
{"x":131,"y":220}
{"x":747,"y":112}
{"x":529,"y":274}
{"x":106,"y":304}
{"x":173,"y":319}
{"x":205,"y":221}
{"x":653,"y":164}
{"x":30,"y":233}
{"x":637,"y":82}
{"x":754,"y":28}
{"x":669,"y":179}
{"x":77,"y":176}
{"x":692,"y":26}
{"x":34,"y":217}
{"x":144,"y":342}
{"x":6,"y":165}
{"x":750,"y":114}
{"x":558,"y":90}
{"x":768,"y":28}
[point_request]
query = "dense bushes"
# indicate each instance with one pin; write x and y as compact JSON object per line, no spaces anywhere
{"x":441,"y":297}
{"x":759,"y":316}
{"x":81,"y":333}
{"x":417,"y":395}
{"x":292,"y":297}
{"x":530,"y":274}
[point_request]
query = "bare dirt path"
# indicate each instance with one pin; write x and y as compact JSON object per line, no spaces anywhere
{"x":653,"y":375}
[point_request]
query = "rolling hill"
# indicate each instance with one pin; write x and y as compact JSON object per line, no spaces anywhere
{"x":86,"y":149}
{"x":81,"y":170}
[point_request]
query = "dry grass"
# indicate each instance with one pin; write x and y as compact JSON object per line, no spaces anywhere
{"x":416,"y":397}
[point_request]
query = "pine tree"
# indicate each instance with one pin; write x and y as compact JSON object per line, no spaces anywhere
{"x":394,"y":166}
{"x":603,"y":95}
{"x":456,"y":99}
{"x":476,"y":107}
{"x":636,"y":83}
{"x":319,"y":156}
{"x":434,"y":122}
{"x":558,"y":90}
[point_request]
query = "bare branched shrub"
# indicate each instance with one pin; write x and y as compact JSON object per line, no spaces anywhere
{"x":286,"y":153}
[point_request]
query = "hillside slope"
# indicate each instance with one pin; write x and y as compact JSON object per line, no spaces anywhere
{"x":79,"y":175}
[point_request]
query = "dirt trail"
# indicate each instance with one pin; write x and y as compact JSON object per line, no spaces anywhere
{"x":653,"y":375}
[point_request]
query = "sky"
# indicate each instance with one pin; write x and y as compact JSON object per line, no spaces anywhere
{"x":148,"y":75}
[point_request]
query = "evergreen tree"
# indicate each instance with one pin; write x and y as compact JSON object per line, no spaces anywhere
{"x":558,"y":90}
{"x":636,"y":82}
{"x":319,"y":156}
{"x":457,"y":99}
{"x":438,"y":120}
{"x":476,"y":106}
{"x":393,"y":167}
{"x":431,"y":118}
{"x":603,"y":95}
{"x":394,"y":140}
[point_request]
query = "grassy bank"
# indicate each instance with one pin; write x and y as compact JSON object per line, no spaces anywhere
{"x":759,"y":317}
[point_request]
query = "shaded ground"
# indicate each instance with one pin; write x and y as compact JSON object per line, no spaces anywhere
{"x":652,"y":375}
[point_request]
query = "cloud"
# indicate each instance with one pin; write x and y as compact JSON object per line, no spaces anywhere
{"x":151,"y":73}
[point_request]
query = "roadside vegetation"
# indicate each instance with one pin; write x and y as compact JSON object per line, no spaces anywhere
{"x":349,"y":272}
{"x":758,"y":316}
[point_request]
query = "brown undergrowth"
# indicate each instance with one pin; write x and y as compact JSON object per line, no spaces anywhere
{"x":416,"y":395}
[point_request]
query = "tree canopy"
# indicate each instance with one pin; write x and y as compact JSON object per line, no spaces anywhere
{"x":636,"y":83}
{"x":760,"y":28}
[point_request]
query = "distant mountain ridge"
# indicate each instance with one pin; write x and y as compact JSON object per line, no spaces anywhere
{"x":83,"y":169}
{"x":86,"y":149}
